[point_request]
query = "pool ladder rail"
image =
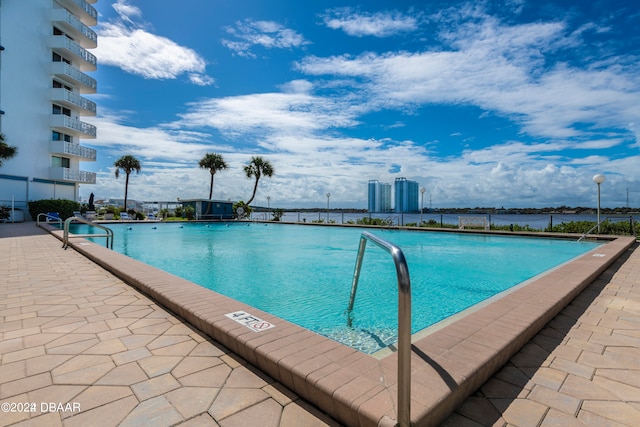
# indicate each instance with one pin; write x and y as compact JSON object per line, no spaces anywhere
{"x":632,"y":223}
{"x":49,"y":217}
{"x":404,"y":319}
{"x":66,"y":235}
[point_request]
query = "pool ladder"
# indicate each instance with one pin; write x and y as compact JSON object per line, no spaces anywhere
{"x":66,"y":235}
{"x":404,"y":319}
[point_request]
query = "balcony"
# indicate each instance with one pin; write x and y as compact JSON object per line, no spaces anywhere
{"x":82,"y":9}
{"x":70,"y":149}
{"x":79,"y":55}
{"x":71,"y":25}
{"x":75,"y":127}
{"x":73,"y":101}
{"x":72,"y":175}
{"x":74,"y":77}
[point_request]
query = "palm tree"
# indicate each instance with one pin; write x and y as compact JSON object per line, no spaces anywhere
{"x":6,"y":151}
{"x":214,"y":162}
{"x":256,"y":168}
{"x":128,"y":164}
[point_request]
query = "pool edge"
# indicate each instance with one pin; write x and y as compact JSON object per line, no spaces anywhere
{"x":355,"y":388}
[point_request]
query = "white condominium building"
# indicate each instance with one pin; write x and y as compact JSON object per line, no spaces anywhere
{"x":44,"y":58}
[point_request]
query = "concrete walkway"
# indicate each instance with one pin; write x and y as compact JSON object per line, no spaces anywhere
{"x":80,"y":347}
{"x":582,"y":369}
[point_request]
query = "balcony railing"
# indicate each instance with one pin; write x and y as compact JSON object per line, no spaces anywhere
{"x":63,"y":43}
{"x":73,"y":126}
{"x":74,"y":76}
{"x":72,"y":25}
{"x":71,"y":149}
{"x":82,"y":9}
{"x":74,"y":101}
{"x":72,"y":175}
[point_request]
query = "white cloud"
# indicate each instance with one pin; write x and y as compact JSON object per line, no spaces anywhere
{"x":126,"y":10}
{"x":499,"y":68}
{"x":267,"y":34}
{"x":308,"y":166}
{"x":502,"y":69}
{"x":128,"y":45}
{"x":360,"y":24}
{"x":276,"y":113}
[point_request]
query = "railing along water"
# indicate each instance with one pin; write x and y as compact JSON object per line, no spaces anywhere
{"x":65,"y":239}
{"x":631,"y":225}
{"x":404,"y":319}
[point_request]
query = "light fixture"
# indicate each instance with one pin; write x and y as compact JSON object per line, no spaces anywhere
{"x":598,"y":179}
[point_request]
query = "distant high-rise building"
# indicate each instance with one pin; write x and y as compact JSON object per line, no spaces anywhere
{"x":406,"y":195}
{"x":44,"y":55}
{"x":379,"y":197}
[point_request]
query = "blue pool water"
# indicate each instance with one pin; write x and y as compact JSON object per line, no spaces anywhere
{"x":303,"y":273}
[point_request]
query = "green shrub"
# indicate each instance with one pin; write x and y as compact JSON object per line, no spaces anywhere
{"x":65,"y":208}
{"x":374,"y":221}
{"x":190,"y":212}
{"x":618,"y":228}
{"x":514,"y":227}
{"x":5,"y":212}
{"x":246,"y":210}
{"x":277,"y":214}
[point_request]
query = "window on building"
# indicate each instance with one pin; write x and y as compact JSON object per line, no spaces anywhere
{"x":57,"y":136}
{"x":61,"y":110}
{"x":58,"y":32}
{"x":57,"y":84}
{"x":58,"y":58}
{"x":60,"y":162}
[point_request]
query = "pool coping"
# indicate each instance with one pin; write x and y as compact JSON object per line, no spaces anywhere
{"x":355,"y":388}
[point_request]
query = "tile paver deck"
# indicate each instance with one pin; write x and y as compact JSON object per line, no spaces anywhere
{"x":72,"y":332}
{"x":582,"y":369}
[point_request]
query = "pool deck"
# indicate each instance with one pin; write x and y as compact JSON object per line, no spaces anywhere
{"x":73,"y":332}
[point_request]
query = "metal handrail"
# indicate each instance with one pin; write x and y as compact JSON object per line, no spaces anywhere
{"x":391,"y":219}
{"x":590,"y":230}
{"x":404,"y":319}
{"x":48,"y":218}
{"x":66,"y":236}
{"x":606,"y":219}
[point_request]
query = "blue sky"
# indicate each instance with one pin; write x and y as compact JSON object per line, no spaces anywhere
{"x":493,"y":103}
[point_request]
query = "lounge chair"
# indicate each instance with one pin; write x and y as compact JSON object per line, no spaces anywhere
{"x":53,"y":216}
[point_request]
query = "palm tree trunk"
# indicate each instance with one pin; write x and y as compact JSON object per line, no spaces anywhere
{"x":255,"y":187}
{"x":126,"y":190}
{"x":211,"y":187}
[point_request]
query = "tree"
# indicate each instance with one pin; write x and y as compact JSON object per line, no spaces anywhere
{"x":128,"y":164}
{"x":241,"y":210}
{"x":255,"y":169}
{"x":214,"y":162}
{"x":6,"y":151}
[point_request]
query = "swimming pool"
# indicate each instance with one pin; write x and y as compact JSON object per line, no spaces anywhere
{"x":303,"y":273}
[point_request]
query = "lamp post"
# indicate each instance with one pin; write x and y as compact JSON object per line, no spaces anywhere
{"x":598,"y":179}
{"x":328,"y":195}
{"x":268,"y":206}
{"x":422,"y":190}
